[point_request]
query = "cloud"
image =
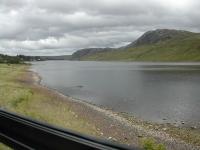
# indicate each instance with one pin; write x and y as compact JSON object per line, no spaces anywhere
{"x":36,"y":27}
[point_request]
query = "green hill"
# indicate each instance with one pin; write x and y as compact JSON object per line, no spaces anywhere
{"x":157,"y":45}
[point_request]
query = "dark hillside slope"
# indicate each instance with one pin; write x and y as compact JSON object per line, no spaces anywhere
{"x":78,"y":55}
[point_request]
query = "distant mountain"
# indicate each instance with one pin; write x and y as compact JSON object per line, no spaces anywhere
{"x":61,"y":57}
{"x":78,"y":55}
{"x":156,"y":45}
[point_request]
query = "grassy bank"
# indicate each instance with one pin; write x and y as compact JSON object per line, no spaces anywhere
{"x":18,"y":94}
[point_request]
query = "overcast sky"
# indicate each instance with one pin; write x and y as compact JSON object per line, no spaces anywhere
{"x":56,"y":27}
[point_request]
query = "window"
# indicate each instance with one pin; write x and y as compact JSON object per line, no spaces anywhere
{"x":124,"y":71}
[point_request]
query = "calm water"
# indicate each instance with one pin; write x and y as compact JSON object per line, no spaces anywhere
{"x":151,"y":91}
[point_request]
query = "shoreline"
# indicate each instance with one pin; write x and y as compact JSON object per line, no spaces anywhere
{"x":123,"y":128}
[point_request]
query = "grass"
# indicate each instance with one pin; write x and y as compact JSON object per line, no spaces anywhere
{"x":17,"y":95}
{"x":4,"y":147}
{"x":177,"y":49}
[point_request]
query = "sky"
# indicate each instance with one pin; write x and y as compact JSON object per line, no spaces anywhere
{"x":60,"y":27}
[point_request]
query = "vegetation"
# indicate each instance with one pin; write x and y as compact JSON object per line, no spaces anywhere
{"x":10,"y":59}
{"x":150,"y":144}
{"x":22,"y":58}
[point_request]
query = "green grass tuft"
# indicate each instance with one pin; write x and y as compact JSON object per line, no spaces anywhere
{"x":150,"y":144}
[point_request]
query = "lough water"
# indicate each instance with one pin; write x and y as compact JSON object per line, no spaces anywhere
{"x":160,"y":92}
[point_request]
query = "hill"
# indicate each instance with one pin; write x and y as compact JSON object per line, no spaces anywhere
{"x":156,"y":45}
{"x":155,"y":36}
{"x":78,"y":55}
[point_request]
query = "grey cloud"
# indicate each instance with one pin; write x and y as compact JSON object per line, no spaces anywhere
{"x":13,"y":3}
{"x":62,"y":26}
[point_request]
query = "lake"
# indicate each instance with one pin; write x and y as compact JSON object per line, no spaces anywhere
{"x":159,"y":92}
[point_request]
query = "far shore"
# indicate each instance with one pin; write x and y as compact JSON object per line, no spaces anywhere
{"x":121,"y":127}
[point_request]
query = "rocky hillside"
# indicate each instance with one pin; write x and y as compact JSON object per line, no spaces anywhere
{"x":155,"y":36}
{"x":156,"y":45}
